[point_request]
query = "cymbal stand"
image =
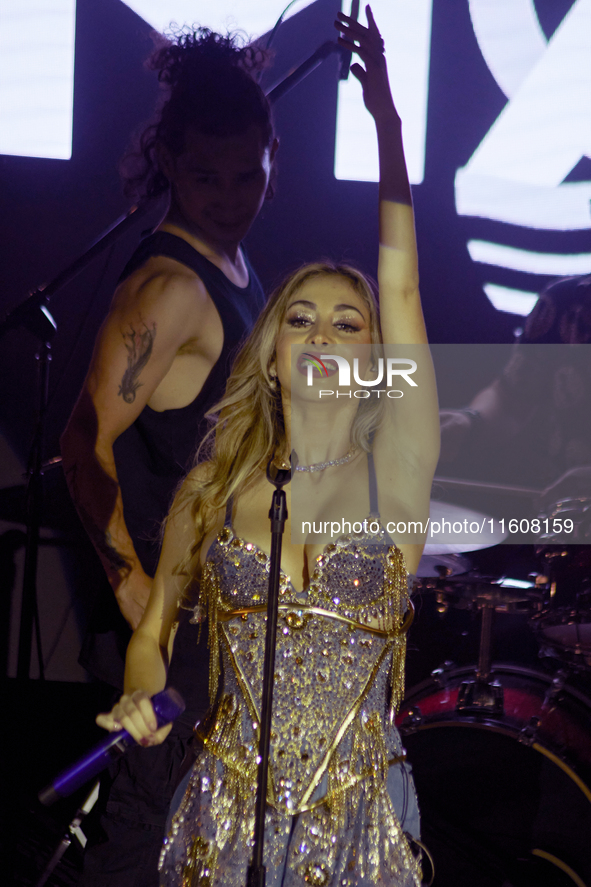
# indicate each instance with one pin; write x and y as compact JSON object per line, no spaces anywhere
{"x":481,"y":695}
{"x":33,"y":314}
{"x":30,"y":605}
{"x":73,"y":831}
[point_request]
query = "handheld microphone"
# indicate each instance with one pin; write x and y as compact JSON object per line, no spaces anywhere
{"x":168,"y":705}
{"x":345,"y":53}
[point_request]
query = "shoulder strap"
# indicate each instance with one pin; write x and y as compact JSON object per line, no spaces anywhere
{"x":374,"y":508}
{"x":238,"y":307}
{"x":162,"y":243}
{"x":229,"y":507}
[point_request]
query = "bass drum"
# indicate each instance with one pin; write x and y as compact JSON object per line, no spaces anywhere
{"x":505,"y":797}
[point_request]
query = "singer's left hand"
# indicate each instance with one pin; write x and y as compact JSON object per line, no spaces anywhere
{"x":369,"y":46}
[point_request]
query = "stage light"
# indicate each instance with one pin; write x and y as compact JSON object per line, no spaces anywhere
{"x":511,"y":301}
{"x":556,"y":264}
{"x":37,"y":61}
{"x":517,"y":173}
{"x":255,"y":17}
{"x":37,"y":77}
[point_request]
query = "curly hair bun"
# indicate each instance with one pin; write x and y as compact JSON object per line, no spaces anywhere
{"x":191,"y":52}
{"x":210,"y":86}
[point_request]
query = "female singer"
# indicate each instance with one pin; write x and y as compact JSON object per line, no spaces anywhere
{"x":340,"y":794}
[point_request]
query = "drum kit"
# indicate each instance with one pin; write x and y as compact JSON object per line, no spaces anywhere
{"x":502,"y":752}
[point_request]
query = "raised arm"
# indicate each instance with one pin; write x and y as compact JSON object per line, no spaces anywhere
{"x":146,"y":327}
{"x":400,"y":305}
{"x":406,"y":446}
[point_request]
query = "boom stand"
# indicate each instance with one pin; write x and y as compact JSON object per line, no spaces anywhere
{"x":33,"y":314}
{"x":278,"y":516}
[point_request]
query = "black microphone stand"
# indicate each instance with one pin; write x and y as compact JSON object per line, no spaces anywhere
{"x":278,"y":515}
{"x":33,"y":314}
{"x":306,"y":67}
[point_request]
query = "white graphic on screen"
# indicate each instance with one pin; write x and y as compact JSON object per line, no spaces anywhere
{"x":405,"y":26}
{"x":37,"y":77}
{"x":517,"y":173}
{"x":255,"y":17}
{"x":37,"y":60}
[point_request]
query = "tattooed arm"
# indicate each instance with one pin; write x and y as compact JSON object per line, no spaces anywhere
{"x":151,"y":322}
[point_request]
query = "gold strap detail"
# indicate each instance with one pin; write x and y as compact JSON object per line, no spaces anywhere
{"x":227,"y":615}
{"x":341,"y":789}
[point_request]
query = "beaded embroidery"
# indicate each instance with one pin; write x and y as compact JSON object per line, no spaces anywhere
{"x":339,"y":678}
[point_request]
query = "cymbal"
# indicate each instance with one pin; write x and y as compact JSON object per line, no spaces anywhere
{"x":461,"y":484}
{"x":454,"y":529}
{"x":477,"y":592}
{"x":442,"y":565}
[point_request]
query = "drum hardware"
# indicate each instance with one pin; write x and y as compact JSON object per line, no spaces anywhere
{"x":576,"y":509}
{"x":516,"y":783}
{"x":564,"y":634}
{"x":563,"y":627}
{"x":441,"y":603}
{"x":480,"y":697}
{"x":474,"y":592}
{"x":440,"y":674}
{"x":567,"y":499}
{"x":486,"y":595}
{"x":529,"y":734}
{"x":442,"y":566}
{"x":481,"y":694}
{"x":413,"y":719}
{"x":556,"y":687}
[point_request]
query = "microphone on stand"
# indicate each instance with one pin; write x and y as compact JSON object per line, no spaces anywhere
{"x":168,"y":705}
{"x":346,"y":54}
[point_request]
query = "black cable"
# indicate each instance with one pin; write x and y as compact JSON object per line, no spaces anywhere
{"x":278,"y":23}
{"x":82,"y":326}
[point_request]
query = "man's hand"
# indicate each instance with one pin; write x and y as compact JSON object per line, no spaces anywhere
{"x":456,"y":426}
{"x":132,"y":595}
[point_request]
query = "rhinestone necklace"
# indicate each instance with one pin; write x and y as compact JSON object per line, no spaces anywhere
{"x":320,"y":466}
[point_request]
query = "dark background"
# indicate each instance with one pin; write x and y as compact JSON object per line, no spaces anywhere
{"x":51,"y":211}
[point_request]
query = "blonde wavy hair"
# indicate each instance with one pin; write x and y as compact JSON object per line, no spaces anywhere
{"x":250,"y":428}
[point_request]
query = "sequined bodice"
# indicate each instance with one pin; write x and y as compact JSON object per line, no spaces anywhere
{"x":348,"y":577}
{"x":339,"y":661}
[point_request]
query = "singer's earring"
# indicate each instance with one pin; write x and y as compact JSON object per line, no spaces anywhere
{"x":273,"y":379}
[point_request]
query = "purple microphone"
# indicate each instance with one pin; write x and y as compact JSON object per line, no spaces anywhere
{"x":168,"y":705}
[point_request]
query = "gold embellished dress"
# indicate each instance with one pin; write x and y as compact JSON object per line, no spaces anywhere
{"x":333,"y":815}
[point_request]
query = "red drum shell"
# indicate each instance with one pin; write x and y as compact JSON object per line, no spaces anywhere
{"x":565,"y":634}
{"x":504,"y":798}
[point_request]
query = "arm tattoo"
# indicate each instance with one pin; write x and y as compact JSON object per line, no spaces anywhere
{"x":110,"y":553}
{"x":139,"y":348}
{"x":103,"y":542}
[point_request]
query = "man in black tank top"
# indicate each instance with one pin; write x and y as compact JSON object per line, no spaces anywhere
{"x":186,"y":299}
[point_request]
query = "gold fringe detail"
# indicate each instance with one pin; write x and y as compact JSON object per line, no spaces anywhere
{"x":368,"y":764}
{"x":201,"y":863}
{"x":210,"y":600}
{"x":398,"y":601}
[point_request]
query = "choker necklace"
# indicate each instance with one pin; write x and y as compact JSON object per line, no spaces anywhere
{"x":320,"y":466}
